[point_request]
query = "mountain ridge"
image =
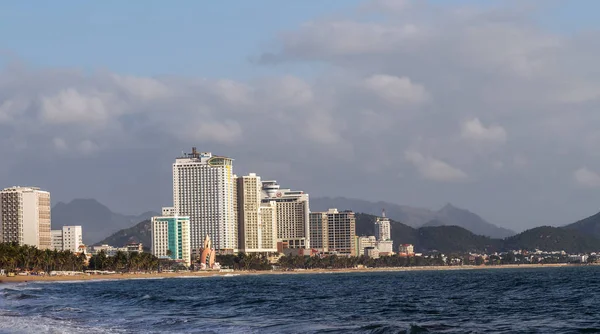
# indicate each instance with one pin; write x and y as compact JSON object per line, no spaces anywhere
{"x":413,"y":216}
{"x":96,"y":219}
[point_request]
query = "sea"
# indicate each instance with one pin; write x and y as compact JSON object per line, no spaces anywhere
{"x":539,"y":300}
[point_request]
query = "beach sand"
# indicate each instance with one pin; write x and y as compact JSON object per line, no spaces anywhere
{"x":209,"y":273}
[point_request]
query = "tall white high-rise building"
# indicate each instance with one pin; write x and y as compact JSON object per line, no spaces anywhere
{"x":25,"y":216}
{"x":382,"y":228}
{"x":72,"y":238}
{"x":204,"y":190}
{"x":292,"y":211}
{"x":257,"y":228}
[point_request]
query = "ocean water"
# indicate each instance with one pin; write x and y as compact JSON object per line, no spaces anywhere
{"x":545,"y":300}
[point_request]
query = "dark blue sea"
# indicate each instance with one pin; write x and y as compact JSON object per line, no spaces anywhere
{"x":545,"y":300}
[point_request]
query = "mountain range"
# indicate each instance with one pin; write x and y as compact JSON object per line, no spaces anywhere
{"x":448,"y":239}
{"x":449,"y":229}
{"x":449,"y":215}
{"x":96,"y":220}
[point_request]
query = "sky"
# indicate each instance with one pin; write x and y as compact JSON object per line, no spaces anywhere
{"x":491,"y":106}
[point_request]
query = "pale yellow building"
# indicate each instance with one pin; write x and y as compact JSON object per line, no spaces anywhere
{"x":25,"y":217}
{"x":257,"y":221}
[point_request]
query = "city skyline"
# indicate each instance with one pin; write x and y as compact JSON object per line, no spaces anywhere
{"x":398,"y":97}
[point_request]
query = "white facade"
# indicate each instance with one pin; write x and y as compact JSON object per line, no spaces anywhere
{"x":204,"y":190}
{"x":293,"y":222}
{"x":72,"y":238}
{"x":364,"y":243}
{"x":382,"y":229}
{"x":25,"y":216}
{"x":57,"y":240}
{"x":170,"y":237}
{"x":386,"y":246}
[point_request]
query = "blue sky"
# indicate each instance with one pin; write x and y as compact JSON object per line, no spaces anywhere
{"x":207,"y":38}
{"x":214,"y":39}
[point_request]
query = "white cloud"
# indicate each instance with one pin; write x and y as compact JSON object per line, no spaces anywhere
{"x":87,"y":147}
{"x":140,"y":87}
{"x":434,"y":169}
{"x":71,"y":106}
{"x":60,"y":144}
{"x":226,"y":132}
{"x":586,"y":178}
{"x":396,"y":90}
{"x":474,"y":130}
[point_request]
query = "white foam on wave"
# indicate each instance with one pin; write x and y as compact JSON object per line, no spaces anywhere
{"x":37,"y":324}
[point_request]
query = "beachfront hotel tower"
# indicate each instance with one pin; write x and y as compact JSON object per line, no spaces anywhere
{"x":25,"y":216}
{"x":257,"y":221}
{"x":69,"y":238}
{"x":204,"y":190}
{"x":170,"y":236}
{"x":292,"y":214}
{"x":382,"y":228}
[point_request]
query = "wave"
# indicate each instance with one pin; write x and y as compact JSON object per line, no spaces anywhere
{"x":37,"y":324}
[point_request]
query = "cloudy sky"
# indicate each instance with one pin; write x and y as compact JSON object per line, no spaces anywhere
{"x":493,"y":107}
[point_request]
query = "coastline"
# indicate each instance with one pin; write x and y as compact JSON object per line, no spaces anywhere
{"x":199,"y":274}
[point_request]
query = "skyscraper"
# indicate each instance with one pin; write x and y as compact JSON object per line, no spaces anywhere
{"x":204,"y":190}
{"x":257,"y":228}
{"x":25,"y":216}
{"x":383,"y":233}
{"x":292,"y":212}
{"x":382,"y":228}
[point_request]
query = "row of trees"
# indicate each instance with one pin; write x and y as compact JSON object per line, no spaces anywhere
{"x":126,"y":262}
{"x":28,"y":258}
{"x":14,"y":257}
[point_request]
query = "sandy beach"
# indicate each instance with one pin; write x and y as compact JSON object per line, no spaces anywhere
{"x":22,"y":279}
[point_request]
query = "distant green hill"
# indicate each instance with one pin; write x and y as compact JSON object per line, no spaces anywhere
{"x":441,"y":238}
{"x":138,"y":233}
{"x":448,"y":239}
{"x":588,"y":226}
{"x":548,"y":238}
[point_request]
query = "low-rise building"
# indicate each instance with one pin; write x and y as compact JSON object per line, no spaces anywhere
{"x":57,"y":240}
{"x":372,"y":252}
{"x":406,"y":250}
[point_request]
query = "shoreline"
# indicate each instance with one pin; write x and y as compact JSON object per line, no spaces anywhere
{"x":199,"y":274}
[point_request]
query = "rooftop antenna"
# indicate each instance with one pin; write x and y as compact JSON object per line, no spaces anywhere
{"x":383,"y":212}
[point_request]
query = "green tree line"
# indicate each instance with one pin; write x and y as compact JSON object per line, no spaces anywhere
{"x":28,"y":258}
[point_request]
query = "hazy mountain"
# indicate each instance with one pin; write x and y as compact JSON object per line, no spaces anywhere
{"x":588,"y":226}
{"x":445,"y":239}
{"x":97,"y":220}
{"x":451,"y":215}
{"x":138,"y":233}
{"x":410,"y":216}
{"x":450,"y":239}
{"x":415,"y":217}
